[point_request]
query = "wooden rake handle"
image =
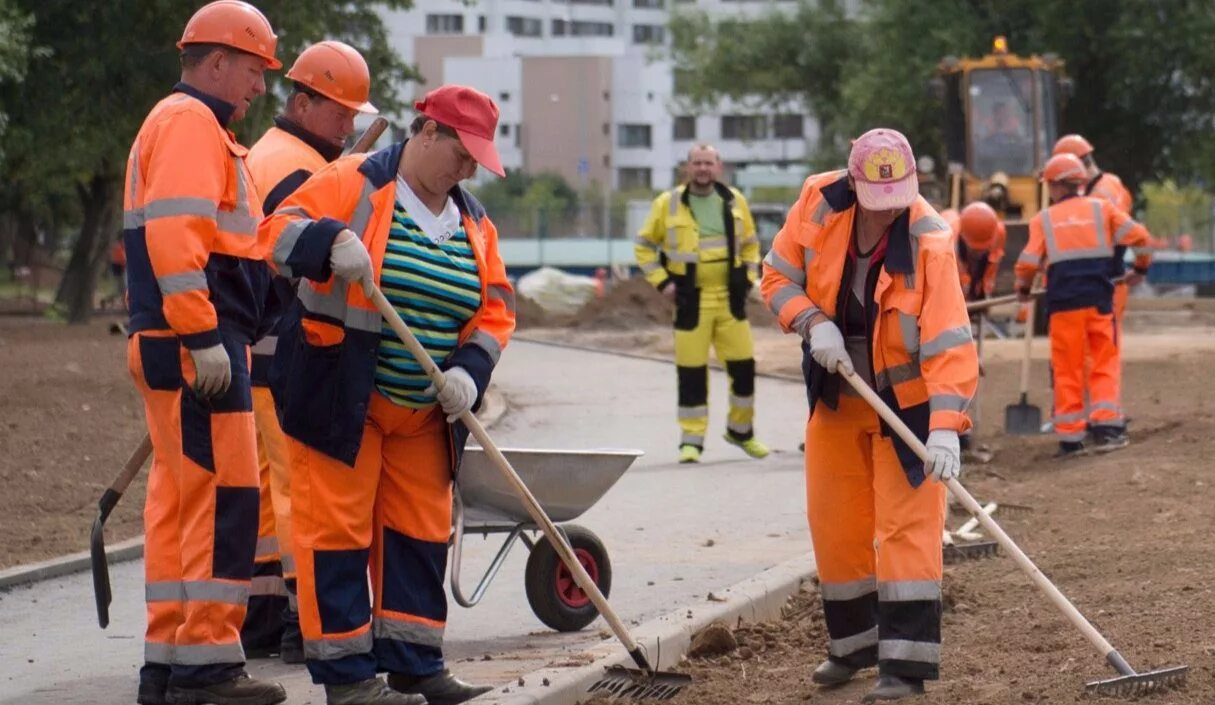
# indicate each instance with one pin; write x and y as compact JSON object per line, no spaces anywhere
{"x":369,"y":136}
{"x":555,"y":537}
{"x":1057,"y":598}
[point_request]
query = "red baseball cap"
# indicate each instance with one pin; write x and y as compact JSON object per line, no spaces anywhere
{"x":474,"y":117}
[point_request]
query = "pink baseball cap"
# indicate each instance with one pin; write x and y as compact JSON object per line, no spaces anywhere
{"x":883,"y":167}
{"x":474,"y":117}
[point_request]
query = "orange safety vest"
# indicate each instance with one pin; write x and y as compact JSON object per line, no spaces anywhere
{"x":922,"y":353}
{"x":324,"y":370}
{"x":1110,"y":187}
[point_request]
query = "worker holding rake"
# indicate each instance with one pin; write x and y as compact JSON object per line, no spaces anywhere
{"x":865,"y":271}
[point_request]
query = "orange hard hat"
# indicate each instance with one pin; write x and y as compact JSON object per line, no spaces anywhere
{"x":1073,"y":144}
{"x":1064,"y":167}
{"x":235,"y":24}
{"x":336,"y":71}
{"x":979,"y":225}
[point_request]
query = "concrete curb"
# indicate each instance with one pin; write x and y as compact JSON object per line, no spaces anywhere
{"x":755,"y":599}
{"x":493,"y":408}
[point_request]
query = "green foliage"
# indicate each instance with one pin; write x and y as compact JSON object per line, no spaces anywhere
{"x":528,"y":203}
{"x":1174,"y":210}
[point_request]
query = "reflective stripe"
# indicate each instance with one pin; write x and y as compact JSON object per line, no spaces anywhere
{"x":747,"y":241}
{"x":333,"y":649}
{"x":266,"y":546}
{"x":691,"y":439}
{"x":1055,"y":255}
{"x":649,"y":267}
{"x":645,"y":243}
{"x":1074,"y":416}
{"x":685,"y":257}
{"x":909,"y":590}
{"x":486,"y":342}
{"x":790,"y":272}
{"x":897,"y":374}
{"x":334,"y":305}
{"x":1106,"y":405}
{"x":266,"y":346}
{"x":133,"y":161}
{"x":236,"y":223}
{"x":928,"y":224}
{"x":156,"y":652}
{"x":947,"y":340}
{"x":1029,"y":258}
{"x":268,"y":586}
{"x":902,"y":650}
{"x":784,"y":295}
{"x":1099,"y":221}
{"x":179,"y":283}
{"x":193,"y":655}
{"x":364,"y":210}
{"x":808,"y":256}
{"x":712,"y":243}
{"x":197,"y":591}
{"x":410,"y":632}
{"x":742,"y":402}
{"x":1123,"y":230}
{"x":820,"y":212}
{"x":672,"y":211}
{"x":293,"y":210}
{"x":169,"y":208}
{"x":850,"y":590}
{"x":1090,"y":253}
{"x":909,"y":325}
{"x":947,"y":402}
{"x":503,"y":294}
{"x":242,"y":190}
{"x":802,"y":320}
{"x":1071,"y":437}
{"x":852,"y":644}
{"x":739,"y":428}
{"x":692,"y":412}
{"x":285,"y":245}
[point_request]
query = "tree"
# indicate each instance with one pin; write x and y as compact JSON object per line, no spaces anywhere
{"x":528,"y":203}
{"x":104,"y":66}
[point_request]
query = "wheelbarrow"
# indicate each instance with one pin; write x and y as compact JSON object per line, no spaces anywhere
{"x":566,"y":483}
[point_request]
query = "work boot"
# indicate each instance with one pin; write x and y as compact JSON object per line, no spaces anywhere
{"x":440,"y":688}
{"x":751,"y":447}
{"x":372,"y":691}
{"x":894,"y":688}
{"x":689,"y":454}
{"x":1109,"y":438}
{"x":153,"y":682}
{"x":1071,"y":449}
{"x":241,"y":690}
{"x":291,"y":648}
{"x":832,"y":673}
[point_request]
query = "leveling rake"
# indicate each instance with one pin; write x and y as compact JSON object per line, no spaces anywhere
{"x":1129,"y":683}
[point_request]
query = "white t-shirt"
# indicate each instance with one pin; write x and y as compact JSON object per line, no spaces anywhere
{"x":439,"y":228}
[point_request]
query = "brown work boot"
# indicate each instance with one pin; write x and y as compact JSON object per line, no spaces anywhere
{"x":241,"y":690}
{"x":894,"y":688}
{"x":831,"y":673}
{"x":372,"y":691}
{"x":441,"y":688}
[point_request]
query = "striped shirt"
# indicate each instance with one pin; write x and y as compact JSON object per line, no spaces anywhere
{"x":437,"y":290}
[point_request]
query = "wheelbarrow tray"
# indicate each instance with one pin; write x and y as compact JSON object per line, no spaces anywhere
{"x":565,"y":482}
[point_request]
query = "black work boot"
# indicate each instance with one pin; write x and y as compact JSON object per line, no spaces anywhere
{"x":894,"y":688}
{"x":372,"y":691}
{"x":241,"y":690}
{"x":1109,"y":438}
{"x":1071,"y":449}
{"x":832,"y":673}
{"x":440,"y":688}
{"x":153,"y":682}
{"x":291,"y":648}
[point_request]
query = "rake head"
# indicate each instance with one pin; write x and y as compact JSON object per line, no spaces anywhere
{"x":1013,"y":509}
{"x":957,"y":553}
{"x":1137,"y":684}
{"x":621,"y":682}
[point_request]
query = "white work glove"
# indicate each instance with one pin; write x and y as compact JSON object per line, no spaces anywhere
{"x":944,"y":462}
{"x":827,"y":347}
{"x":458,"y":395}
{"x":212,"y":371}
{"x":350,"y":261}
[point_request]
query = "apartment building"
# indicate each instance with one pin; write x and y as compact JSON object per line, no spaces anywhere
{"x":584,"y":89}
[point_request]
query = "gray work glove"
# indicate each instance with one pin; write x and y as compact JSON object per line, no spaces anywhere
{"x":458,"y":395}
{"x":212,"y":371}
{"x":350,"y":261}
{"x":944,"y":461}
{"x":827,"y":347}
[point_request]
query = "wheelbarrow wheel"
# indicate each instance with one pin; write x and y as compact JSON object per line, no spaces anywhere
{"x":551,"y":591}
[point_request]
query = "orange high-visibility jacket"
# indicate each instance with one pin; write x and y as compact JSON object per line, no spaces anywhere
{"x":1075,"y":240}
{"x":923,"y":357}
{"x":1110,"y":187}
{"x":978,"y":274}
{"x":190,"y":215}
{"x":324,"y":369}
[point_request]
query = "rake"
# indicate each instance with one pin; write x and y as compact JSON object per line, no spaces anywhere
{"x":1129,"y":683}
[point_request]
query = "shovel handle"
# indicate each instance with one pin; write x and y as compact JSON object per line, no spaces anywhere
{"x":985,"y":304}
{"x":1029,"y":344}
{"x":1043,"y":583}
{"x":369,"y":136}
{"x":555,"y":537}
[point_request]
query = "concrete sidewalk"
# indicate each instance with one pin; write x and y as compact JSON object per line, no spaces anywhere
{"x":674,"y":533}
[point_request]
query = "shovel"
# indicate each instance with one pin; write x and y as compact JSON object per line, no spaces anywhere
{"x":1023,"y":418}
{"x":640,"y":683}
{"x":109,"y":499}
{"x":1129,"y":682}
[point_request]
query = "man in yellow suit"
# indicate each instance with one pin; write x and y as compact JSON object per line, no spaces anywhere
{"x":698,"y":247}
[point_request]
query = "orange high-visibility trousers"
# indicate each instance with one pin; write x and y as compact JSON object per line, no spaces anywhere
{"x":1084,"y":359}
{"x":883,"y":605}
{"x":391,"y":513}
{"x":200,"y":517}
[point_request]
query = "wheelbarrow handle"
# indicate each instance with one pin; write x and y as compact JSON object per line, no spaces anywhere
{"x":555,"y":537}
{"x":1039,"y":579}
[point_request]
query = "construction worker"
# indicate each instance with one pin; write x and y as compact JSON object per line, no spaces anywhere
{"x":980,"y":237}
{"x":373,"y":447}
{"x":1074,"y":239}
{"x":331,"y":84}
{"x":698,"y":247}
{"x":190,"y":226}
{"x":1103,"y":184}
{"x":864,"y":271}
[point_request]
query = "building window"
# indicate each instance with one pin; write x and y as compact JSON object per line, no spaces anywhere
{"x":633,"y":178}
{"x":684,"y":127}
{"x":592,"y":2}
{"x":632,"y":135}
{"x":591,"y":29}
{"x":744,"y":127}
{"x":523,"y":26}
{"x":481,"y":24}
{"x":655,"y":4}
{"x":648,"y":34}
{"x":560,"y":28}
{"x":445,"y":24}
{"x":503,"y":96}
{"x":788,"y":127}
{"x":519,"y":135}
{"x":504,"y":130}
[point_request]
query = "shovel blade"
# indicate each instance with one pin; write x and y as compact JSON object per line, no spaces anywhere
{"x":1139,"y":684}
{"x":621,"y":682}
{"x":1022,"y":419}
{"x":101,"y":573}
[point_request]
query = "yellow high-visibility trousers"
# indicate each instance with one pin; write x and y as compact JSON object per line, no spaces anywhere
{"x":731,"y":339}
